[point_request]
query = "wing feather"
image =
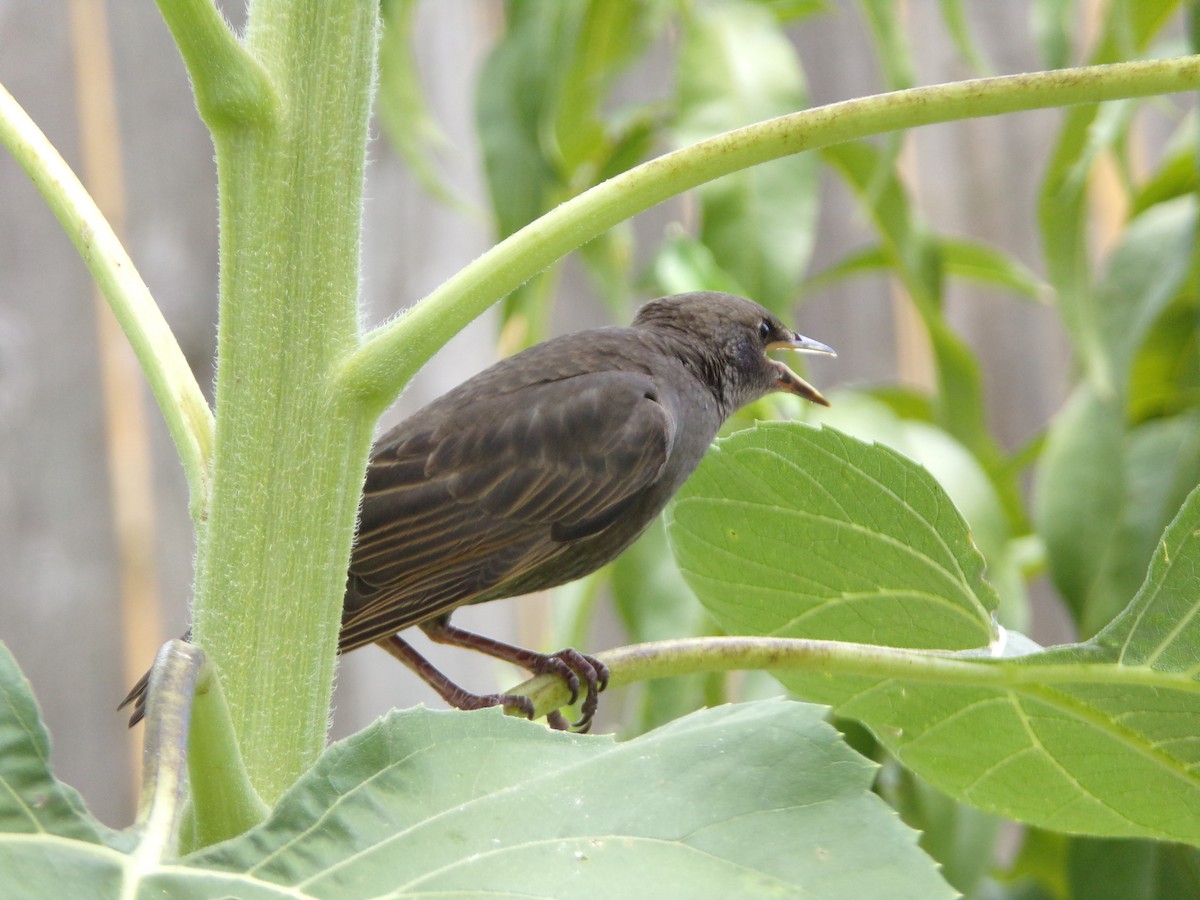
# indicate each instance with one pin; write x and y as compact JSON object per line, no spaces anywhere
{"x":458,"y":506}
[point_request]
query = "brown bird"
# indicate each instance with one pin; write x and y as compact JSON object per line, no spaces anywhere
{"x":541,"y":469}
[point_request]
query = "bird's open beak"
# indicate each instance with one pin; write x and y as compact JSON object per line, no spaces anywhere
{"x":789,"y":381}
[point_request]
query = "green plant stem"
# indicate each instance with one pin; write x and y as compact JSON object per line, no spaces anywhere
{"x":187,"y":727}
{"x":288,"y":111}
{"x":177,"y":671}
{"x":381,"y":368}
{"x":230,"y":85}
{"x":690,"y":656}
{"x":214,"y":760}
{"x":188,"y":417}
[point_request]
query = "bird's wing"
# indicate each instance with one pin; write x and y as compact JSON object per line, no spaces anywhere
{"x":500,"y":485}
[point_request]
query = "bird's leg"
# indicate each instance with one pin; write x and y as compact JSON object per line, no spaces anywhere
{"x":569,"y":665}
{"x":458,"y":697}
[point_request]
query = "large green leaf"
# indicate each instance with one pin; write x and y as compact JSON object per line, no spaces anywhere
{"x":1096,"y":738}
{"x":1004,"y":547}
{"x":797,"y":532}
{"x":736,"y":801}
{"x":44,"y":869}
{"x":733,"y":801}
{"x":32,"y":800}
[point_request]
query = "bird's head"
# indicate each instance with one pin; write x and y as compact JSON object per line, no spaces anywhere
{"x":725,"y":339}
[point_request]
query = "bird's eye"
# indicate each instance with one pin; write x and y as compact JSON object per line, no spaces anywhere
{"x":764,"y":329}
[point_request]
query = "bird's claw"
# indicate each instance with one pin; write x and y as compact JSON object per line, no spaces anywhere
{"x":556,"y":720}
{"x":557,"y":664}
{"x":577,"y":669}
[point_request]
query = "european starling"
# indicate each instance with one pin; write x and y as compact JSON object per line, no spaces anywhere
{"x":544,"y":467}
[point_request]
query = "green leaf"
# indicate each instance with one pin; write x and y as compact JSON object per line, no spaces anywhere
{"x":685,"y":264}
{"x":1177,"y":174}
{"x":1062,"y":219}
{"x":858,"y":262}
{"x":39,"y":868}
{"x":887,"y":27}
{"x":979,"y":262}
{"x":517,"y":86}
{"x":43,"y":869}
{"x":728,"y":802}
{"x":410,"y":127}
{"x":960,"y":838}
{"x":546,"y":136}
{"x":539,"y":104}
{"x":608,"y":38}
{"x":914,"y":255}
{"x":1053,"y":25}
{"x":956,"y":23}
{"x":1062,"y":205}
{"x":792,"y":531}
{"x":1163,"y":465}
{"x":1165,"y":377}
{"x":1160,"y":629}
{"x":32,"y":800}
{"x":1103,"y":496}
{"x":1144,"y":273}
{"x":655,"y":603}
{"x":1132,"y":870}
{"x":1148,"y":17}
{"x":736,"y":66}
{"x":962,"y":258}
{"x":1097,"y":738}
{"x":959,"y":473}
{"x":1079,"y":496}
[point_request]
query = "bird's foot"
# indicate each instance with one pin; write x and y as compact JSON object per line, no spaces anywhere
{"x":577,"y":670}
{"x":573,"y":668}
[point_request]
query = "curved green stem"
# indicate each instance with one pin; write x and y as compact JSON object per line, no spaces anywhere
{"x":177,"y":671}
{"x":379,"y":370}
{"x":188,"y":416}
{"x":692,"y":656}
